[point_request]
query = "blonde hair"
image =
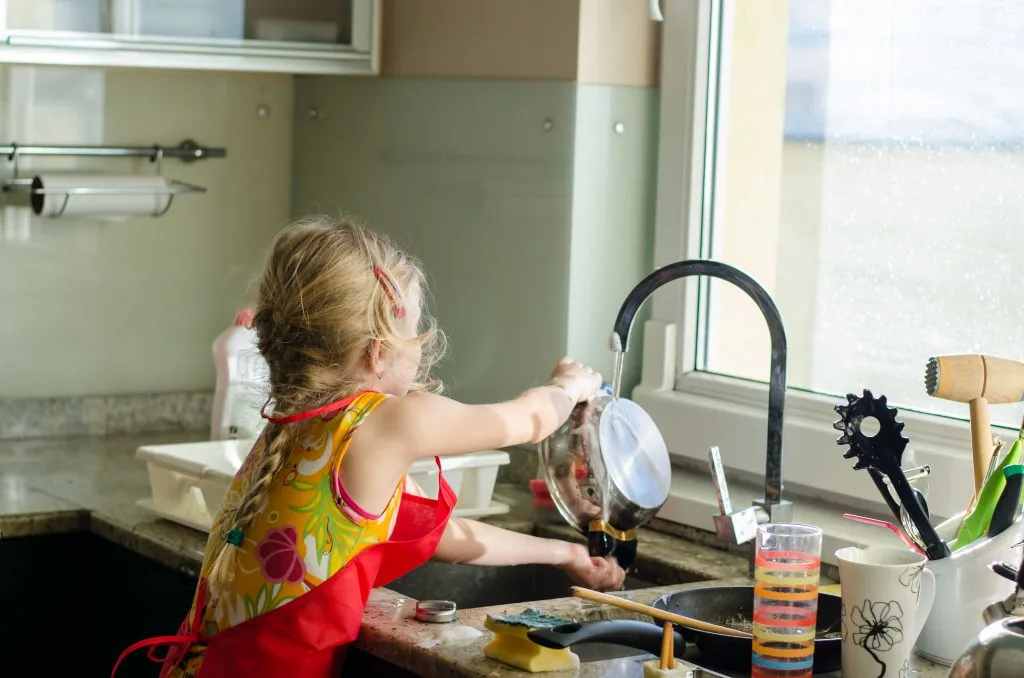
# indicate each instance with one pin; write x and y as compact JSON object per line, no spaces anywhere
{"x":328,"y":290}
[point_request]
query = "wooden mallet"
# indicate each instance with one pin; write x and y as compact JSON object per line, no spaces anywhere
{"x":976,"y":380}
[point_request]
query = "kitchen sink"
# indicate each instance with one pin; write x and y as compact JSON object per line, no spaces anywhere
{"x":471,"y":586}
{"x":359,"y":663}
{"x":599,"y":652}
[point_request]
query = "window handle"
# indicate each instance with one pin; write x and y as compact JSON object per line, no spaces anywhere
{"x":718,"y":477}
{"x":736,"y":527}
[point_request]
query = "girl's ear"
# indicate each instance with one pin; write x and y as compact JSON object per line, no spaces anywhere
{"x":375,"y":358}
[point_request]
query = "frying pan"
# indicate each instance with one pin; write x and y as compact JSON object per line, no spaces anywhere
{"x":723,"y":605}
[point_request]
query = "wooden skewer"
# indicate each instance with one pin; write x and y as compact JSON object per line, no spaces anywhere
{"x":668,"y":650}
{"x":660,"y":615}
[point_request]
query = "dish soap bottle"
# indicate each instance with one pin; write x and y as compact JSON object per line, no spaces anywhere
{"x":242,"y":382}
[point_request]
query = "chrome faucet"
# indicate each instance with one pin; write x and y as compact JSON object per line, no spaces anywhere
{"x":736,"y":527}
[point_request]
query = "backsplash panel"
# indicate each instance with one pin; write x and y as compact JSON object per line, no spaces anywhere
{"x":467,"y":175}
{"x":104,"y":415}
{"x":614,"y":178}
{"x":133,"y":307}
{"x":532,"y":214}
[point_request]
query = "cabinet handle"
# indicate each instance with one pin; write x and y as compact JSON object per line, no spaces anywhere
{"x":169,"y":45}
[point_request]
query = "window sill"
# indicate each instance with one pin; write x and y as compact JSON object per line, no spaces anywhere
{"x":692,"y":502}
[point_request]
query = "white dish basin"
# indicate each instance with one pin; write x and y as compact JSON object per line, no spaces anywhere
{"x":190,"y":480}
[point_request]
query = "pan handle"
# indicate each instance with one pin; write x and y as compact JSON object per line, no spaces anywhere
{"x":636,"y":634}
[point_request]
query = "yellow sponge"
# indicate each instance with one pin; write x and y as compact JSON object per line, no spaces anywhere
{"x":511,"y":645}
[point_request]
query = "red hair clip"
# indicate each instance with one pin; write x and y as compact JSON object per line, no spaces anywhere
{"x":391,"y":289}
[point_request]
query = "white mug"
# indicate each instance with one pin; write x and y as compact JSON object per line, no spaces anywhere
{"x":887,"y":595}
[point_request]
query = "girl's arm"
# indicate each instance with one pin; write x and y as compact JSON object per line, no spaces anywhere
{"x":475,"y":543}
{"x":425,"y":425}
{"x":402,"y":430}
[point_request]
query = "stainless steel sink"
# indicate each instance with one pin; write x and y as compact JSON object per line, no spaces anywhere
{"x":359,"y":663}
{"x":599,"y":652}
{"x":473,"y":586}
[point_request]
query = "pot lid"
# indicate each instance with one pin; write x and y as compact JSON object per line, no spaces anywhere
{"x":634,"y":453}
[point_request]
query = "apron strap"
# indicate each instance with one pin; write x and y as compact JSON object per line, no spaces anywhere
{"x":443,"y":488}
{"x":182,"y":642}
{"x":309,"y":414}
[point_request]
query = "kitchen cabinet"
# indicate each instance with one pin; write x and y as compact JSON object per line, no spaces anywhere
{"x":73,"y":602}
{"x":312,"y":36}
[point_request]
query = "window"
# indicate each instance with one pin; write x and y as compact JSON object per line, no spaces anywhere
{"x":864,"y":160}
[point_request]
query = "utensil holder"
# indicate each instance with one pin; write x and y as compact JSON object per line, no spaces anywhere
{"x":964,"y":588}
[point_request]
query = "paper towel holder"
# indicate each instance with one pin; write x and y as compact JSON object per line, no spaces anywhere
{"x":186,"y":151}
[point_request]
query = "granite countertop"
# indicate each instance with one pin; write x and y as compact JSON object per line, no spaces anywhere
{"x":92,"y":484}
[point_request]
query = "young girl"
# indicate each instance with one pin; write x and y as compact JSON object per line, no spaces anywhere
{"x":322,"y":510}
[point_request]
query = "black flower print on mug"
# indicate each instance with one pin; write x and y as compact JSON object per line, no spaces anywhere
{"x":877,"y":627}
{"x":911,"y":578}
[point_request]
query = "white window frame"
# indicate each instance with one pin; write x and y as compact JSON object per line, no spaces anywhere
{"x":696,"y":410}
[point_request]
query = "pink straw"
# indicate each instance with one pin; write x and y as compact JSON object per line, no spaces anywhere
{"x":889,"y":526}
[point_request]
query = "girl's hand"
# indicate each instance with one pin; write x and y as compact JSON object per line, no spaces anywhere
{"x":601,"y":574}
{"x":578,"y":380}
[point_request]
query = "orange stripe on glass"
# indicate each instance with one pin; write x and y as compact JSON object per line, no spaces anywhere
{"x":766,"y":591}
{"x":810,"y":619}
{"x":783,"y":560}
{"x":780,"y":653}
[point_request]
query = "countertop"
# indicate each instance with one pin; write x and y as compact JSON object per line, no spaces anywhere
{"x":91,"y":484}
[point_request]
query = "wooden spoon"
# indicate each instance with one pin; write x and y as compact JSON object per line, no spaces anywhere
{"x":660,"y":615}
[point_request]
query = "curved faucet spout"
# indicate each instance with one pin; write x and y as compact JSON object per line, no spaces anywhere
{"x":777,"y":378}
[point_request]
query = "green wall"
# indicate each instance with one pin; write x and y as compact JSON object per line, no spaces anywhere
{"x":532,"y":215}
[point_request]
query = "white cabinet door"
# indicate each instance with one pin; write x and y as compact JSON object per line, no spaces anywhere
{"x":289,"y":36}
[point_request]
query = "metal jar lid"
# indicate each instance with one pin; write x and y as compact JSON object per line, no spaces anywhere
{"x":634,"y":453}
{"x":435,"y":611}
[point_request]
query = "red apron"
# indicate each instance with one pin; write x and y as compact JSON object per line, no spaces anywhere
{"x":302,"y":637}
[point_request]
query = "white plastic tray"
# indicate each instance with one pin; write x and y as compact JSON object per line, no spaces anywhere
{"x":188,"y":482}
{"x":148,"y":505}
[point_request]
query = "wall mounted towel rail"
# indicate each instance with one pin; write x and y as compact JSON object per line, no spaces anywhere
{"x":186,"y":151}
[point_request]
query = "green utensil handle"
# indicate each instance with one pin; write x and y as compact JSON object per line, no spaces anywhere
{"x":1009,"y":501}
{"x":977,"y":523}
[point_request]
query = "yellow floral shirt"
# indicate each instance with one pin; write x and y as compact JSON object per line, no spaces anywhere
{"x":309,"y":530}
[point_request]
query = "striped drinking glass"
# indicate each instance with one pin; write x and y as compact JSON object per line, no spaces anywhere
{"x":787,"y":567}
